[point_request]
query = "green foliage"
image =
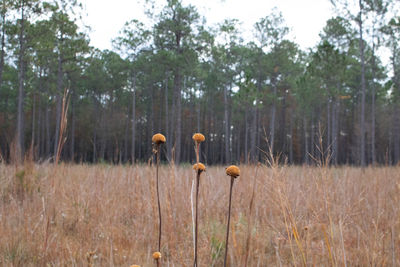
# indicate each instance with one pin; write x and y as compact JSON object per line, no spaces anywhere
{"x":217,"y":242}
{"x":205,"y":77}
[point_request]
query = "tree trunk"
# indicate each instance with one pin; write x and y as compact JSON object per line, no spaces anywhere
{"x":329,"y":123}
{"x":126,"y":141}
{"x":139,"y":137}
{"x":58,"y":105}
{"x":291,"y":137}
{"x":21,"y":89}
{"x":167,"y":119}
{"x":306,"y":149}
{"x":396,"y":117}
{"x":313,"y":147}
{"x":282,"y":131}
{"x":152,"y":116}
{"x":178,"y":115}
{"x":273,"y":118}
{"x":258,"y":135}
{"x":94,"y":155}
{"x":226,"y":125}
{"x":102,"y":134}
{"x":246,"y":136}
{"x":335,"y":113}
{"x":253,"y":134}
{"x":373,"y":120}
{"x":33,"y":124}
{"x":48,"y":137}
{"x":103,"y":143}
{"x":238,"y":146}
{"x":254,"y":127}
{"x":363,"y":89}
{"x":73,"y":119}
{"x":39,"y":120}
{"x":39,"y":129}
{"x":396,"y":136}
{"x":211,"y":126}
{"x":390,"y":156}
{"x":133,"y":119}
{"x":42,"y":153}
{"x":3,"y":43}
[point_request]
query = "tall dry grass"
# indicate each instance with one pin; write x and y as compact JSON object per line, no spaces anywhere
{"x":106,"y":216}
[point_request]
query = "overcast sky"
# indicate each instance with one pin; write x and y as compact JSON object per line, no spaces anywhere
{"x":305,"y":18}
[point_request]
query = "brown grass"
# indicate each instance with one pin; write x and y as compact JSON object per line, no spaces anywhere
{"x":103,"y":215}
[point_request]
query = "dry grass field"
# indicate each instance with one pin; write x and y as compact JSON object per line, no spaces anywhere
{"x":101,"y":215}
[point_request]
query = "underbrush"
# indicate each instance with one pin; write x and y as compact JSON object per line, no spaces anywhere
{"x":107,"y":215}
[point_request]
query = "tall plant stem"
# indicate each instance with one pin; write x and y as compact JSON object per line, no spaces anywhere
{"x":193,"y":216}
{"x":197,"y":216}
{"x":158,"y":200}
{"x":229,"y":221}
{"x":197,"y":147}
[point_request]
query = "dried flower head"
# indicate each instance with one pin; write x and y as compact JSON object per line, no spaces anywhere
{"x":158,"y":139}
{"x":199,"y":167}
{"x":233,"y":171}
{"x":198,"y":138}
{"x":157,"y":255}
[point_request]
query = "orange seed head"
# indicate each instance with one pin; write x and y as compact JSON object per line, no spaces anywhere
{"x":157,"y":255}
{"x":233,"y":171}
{"x":158,"y":139}
{"x":199,"y":167}
{"x":198,"y":138}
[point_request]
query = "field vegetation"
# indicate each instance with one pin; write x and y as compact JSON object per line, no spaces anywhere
{"x":104,"y":215}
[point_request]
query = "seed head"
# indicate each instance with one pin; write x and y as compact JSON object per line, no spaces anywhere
{"x":198,"y":138}
{"x":157,"y":255}
{"x":233,"y":171}
{"x":158,"y":139}
{"x":200,"y":167}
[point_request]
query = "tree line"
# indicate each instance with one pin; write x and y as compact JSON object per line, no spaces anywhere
{"x":250,"y":98}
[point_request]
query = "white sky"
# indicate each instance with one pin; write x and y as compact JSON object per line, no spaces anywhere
{"x":305,"y":18}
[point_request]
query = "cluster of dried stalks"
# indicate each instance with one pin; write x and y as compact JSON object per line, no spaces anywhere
{"x":107,"y":215}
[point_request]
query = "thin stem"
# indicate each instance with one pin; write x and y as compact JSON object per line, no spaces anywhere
{"x":229,"y":220}
{"x":158,"y":200}
{"x":197,"y":148}
{"x":193,"y":218}
{"x":196,"y":223}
